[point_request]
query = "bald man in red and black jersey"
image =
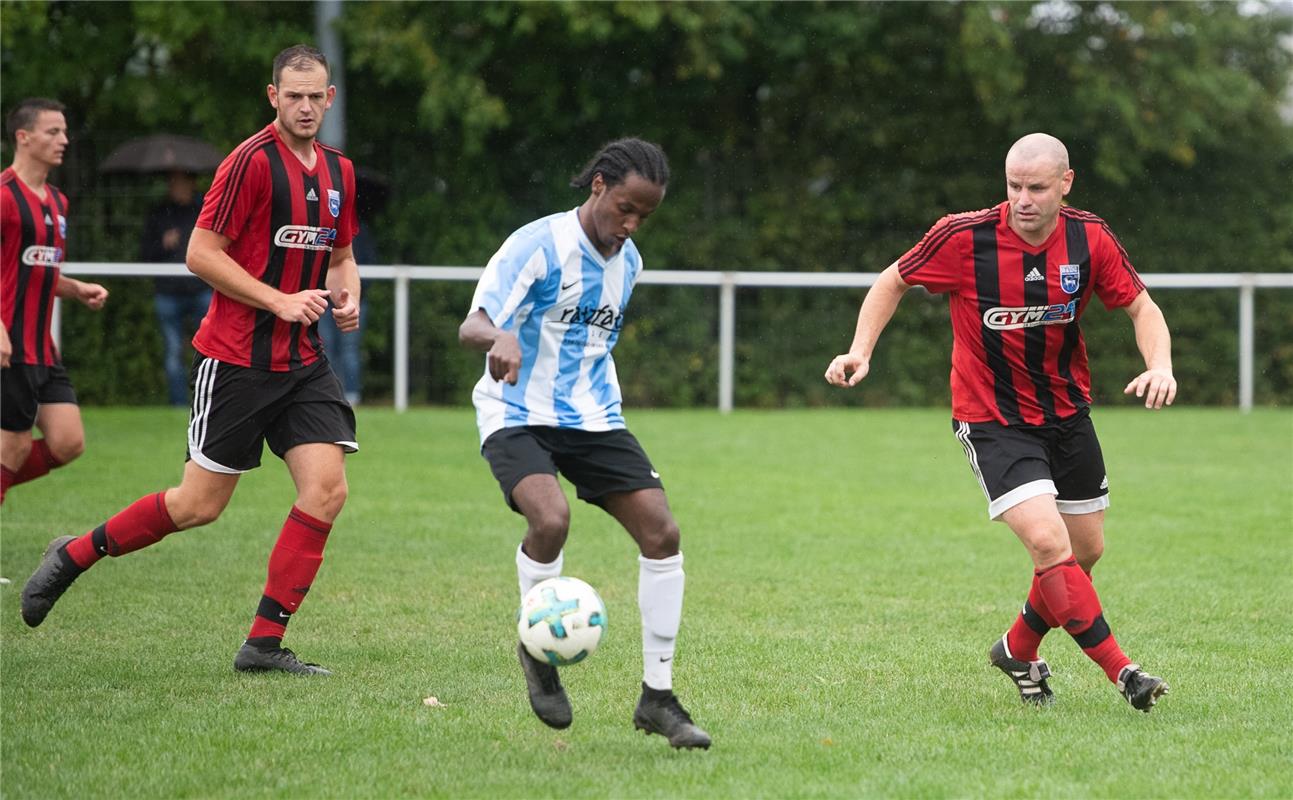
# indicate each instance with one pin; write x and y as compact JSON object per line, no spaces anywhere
{"x":1019,"y":277}
{"x":274,"y":241}
{"x":37,"y":392}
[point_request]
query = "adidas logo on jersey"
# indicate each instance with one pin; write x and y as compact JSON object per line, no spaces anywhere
{"x":310,"y":195}
{"x":48,"y":221}
{"x":1034,"y":276}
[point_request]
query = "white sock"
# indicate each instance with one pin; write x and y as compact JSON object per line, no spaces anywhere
{"x":660,"y":586}
{"x":530,"y":572}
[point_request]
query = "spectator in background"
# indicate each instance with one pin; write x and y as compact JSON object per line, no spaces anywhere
{"x":180,"y":301}
{"x":372,"y":190}
{"x":343,"y":350}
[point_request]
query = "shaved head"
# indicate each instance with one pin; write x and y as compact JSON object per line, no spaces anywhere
{"x":1039,"y":149}
{"x":1037,"y":179}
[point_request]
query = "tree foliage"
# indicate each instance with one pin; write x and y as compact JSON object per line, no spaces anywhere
{"x":803,"y":136}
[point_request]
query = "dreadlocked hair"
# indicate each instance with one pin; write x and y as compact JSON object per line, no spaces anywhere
{"x":619,"y":158}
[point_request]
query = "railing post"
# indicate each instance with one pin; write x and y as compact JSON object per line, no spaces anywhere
{"x":401,"y":340}
{"x":726,"y":340}
{"x":1247,"y":285}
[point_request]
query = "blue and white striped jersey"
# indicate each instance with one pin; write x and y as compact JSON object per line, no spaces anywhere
{"x":565,"y":304}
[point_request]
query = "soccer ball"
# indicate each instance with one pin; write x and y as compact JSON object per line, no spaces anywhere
{"x":561,"y":621}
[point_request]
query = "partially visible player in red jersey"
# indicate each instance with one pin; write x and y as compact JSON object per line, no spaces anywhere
{"x":274,"y":240}
{"x":33,"y":236}
{"x":1019,"y":276}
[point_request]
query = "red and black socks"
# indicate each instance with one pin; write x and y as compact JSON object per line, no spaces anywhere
{"x":1074,"y":605}
{"x":1033,"y":623}
{"x":39,"y":462}
{"x":6,"y":480}
{"x":293,"y":564}
{"x":142,"y":523}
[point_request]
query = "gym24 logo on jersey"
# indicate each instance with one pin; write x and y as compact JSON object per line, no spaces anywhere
{"x":305,"y":237}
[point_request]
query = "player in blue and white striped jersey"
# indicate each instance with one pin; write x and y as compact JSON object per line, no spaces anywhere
{"x":549,"y":286}
{"x":547,"y":312}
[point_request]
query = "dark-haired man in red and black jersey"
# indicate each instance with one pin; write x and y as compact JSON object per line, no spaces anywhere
{"x":33,"y":236}
{"x":1019,"y":276}
{"x":273,"y":240}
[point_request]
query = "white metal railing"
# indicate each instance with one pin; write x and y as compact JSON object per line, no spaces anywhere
{"x":727,"y":282}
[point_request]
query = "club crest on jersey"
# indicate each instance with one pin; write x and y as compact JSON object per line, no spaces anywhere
{"x":305,"y":237}
{"x":1009,"y":319}
{"x":62,"y":226}
{"x":334,"y":202}
{"x":1069,"y":275}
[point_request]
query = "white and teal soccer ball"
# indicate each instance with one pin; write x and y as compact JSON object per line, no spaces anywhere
{"x":562,"y":620}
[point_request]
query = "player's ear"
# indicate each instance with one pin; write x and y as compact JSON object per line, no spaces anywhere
{"x":598,"y":185}
{"x":1066,"y":182}
{"x":271,"y":91}
{"x":332,"y":95}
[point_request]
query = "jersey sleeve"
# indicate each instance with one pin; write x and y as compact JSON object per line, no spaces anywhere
{"x":61,"y":205}
{"x":1115,"y":279}
{"x":10,"y":235}
{"x":935,"y":263}
{"x":241,"y":183}
{"x":517,"y":266}
{"x":9,"y":222}
{"x":348,"y":222}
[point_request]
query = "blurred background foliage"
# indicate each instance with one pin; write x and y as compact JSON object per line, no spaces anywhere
{"x":803,"y":137}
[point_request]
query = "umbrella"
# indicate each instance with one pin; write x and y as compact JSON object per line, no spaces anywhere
{"x":163,"y":152}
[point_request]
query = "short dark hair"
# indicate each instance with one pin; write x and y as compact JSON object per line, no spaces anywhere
{"x":618,"y":158}
{"x":299,"y":56}
{"x":23,"y":116}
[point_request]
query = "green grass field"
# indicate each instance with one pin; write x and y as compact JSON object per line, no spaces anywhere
{"x":843,"y":589}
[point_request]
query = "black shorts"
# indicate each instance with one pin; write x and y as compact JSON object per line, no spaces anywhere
{"x":598,"y":463}
{"x":1016,"y":462}
{"x":24,"y":388}
{"x":237,"y":409}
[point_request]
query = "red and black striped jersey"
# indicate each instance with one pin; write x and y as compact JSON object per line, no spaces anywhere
{"x":283,"y":220}
{"x":1018,"y":356}
{"x":33,"y":238}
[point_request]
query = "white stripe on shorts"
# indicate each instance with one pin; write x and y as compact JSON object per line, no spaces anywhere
{"x":963,"y":436}
{"x":203,"y":388}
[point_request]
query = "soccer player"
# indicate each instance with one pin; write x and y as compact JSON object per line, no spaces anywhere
{"x":33,"y":236}
{"x":1020,"y":275}
{"x":547,"y":311}
{"x":273,"y":240}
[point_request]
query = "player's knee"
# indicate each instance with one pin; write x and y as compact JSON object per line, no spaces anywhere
{"x":66,"y":450}
{"x":1049,"y":550}
{"x":195,"y":514}
{"x":1088,"y":556}
{"x":662,"y":540}
{"x":550,"y":526}
{"x":325,"y":500}
{"x":17,"y":451}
